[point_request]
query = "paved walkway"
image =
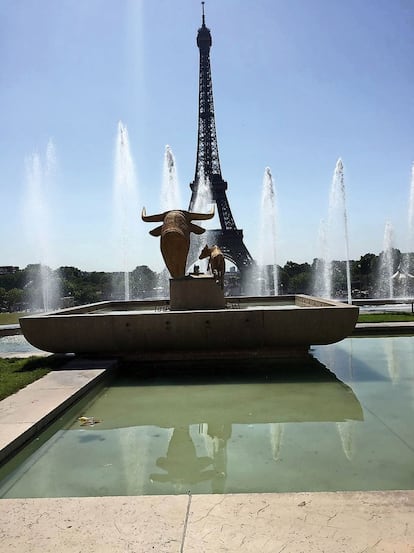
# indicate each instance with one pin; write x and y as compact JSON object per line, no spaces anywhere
{"x":374,"y":522}
{"x":383,"y":329}
{"x":10,"y":330}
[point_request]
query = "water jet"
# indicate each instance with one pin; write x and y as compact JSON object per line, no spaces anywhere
{"x":333,"y":232}
{"x":40,"y":179}
{"x":267,"y":260}
{"x":170,"y":192}
{"x":125,"y":197}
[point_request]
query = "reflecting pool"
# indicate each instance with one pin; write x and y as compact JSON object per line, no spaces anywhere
{"x":16,"y":344}
{"x":339,"y":420}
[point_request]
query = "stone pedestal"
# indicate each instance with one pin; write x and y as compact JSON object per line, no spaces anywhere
{"x":195,"y":292}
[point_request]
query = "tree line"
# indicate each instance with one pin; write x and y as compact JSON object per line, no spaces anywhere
{"x":26,"y":288}
{"x":30,"y":288}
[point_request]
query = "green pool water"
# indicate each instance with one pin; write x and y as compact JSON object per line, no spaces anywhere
{"x":341,"y":419}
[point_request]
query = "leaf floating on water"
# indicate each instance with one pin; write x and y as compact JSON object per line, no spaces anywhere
{"x":88,"y":421}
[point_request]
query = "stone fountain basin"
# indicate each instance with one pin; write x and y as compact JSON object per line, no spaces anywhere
{"x":148,"y":329}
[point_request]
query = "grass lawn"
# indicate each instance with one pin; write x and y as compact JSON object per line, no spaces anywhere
{"x":392,"y":317}
{"x":18,"y":373}
{"x":11,"y":318}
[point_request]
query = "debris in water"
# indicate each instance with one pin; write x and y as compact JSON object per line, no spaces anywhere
{"x":88,"y":421}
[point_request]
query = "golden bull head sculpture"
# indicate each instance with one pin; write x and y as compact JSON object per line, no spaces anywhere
{"x":175,"y":235}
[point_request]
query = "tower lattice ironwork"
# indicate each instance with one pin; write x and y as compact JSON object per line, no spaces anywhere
{"x":229,"y":238}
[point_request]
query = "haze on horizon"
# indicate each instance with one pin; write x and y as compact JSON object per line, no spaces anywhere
{"x":296,"y":86}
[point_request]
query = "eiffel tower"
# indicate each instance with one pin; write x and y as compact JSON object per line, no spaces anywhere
{"x":229,"y":238}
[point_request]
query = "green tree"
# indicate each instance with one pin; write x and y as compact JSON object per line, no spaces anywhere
{"x":12,"y":280}
{"x":86,"y":293}
{"x":70,"y":273}
{"x":2,"y":298}
{"x":13,"y":299}
{"x":83,"y":286}
{"x":364,"y":271}
{"x":296,"y":278}
{"x":143,"y":281}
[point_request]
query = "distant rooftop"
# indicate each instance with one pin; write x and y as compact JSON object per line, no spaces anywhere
{"x":8,"y":269}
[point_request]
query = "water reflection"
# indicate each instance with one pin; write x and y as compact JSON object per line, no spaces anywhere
{"x":181,"y":446}
{"x":346,"y":434}
{"x":276,"y":437}
{"x":277,"y":391}
{"x":184,"y":467}
{"x":392,"y":362}
{"x":273,"y":398}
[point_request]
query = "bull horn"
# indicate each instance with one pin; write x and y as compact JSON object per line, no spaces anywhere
{"x":201,"y":216}
{"x":151,"y":218}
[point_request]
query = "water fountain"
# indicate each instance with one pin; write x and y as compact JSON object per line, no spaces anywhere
{"x":40,"y":179}
{"x":183,"y":326}
{"x":125,"y":201}
{"x":334,"y":232}
{"x":180,"y":329}
{"x":267,"y":258}
{"x":150,"y":329}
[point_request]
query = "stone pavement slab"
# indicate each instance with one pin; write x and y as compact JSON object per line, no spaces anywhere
{"x":342,"y":522}
{"x":88,"y":525}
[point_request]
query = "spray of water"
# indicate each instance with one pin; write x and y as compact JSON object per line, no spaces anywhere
{"x":408,"y":268}
{"x":267,"y":258}
{"x":125,"y":203}
{"x":385,"y":284}
{"x":323,"y":268}
{"x":202,"y":204}
{"x":336,"y":233}
{"x":170,"y":193}
{"x":204,"y":197}
{"x":411,"y":212}
{"x":40,"y":180}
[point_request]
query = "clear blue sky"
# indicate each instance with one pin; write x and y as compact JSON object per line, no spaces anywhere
{"x":297,"y":84}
